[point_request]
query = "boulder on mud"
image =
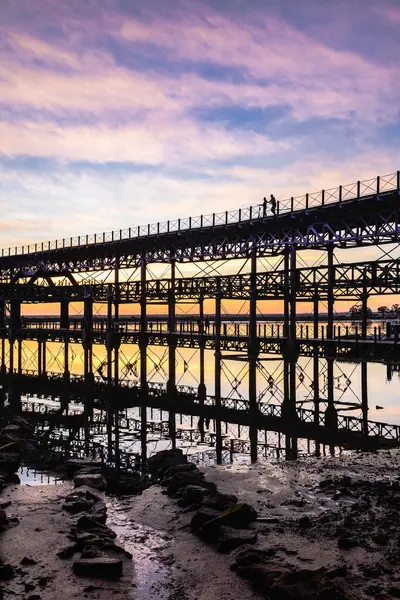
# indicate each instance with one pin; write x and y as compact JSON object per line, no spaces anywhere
{"x":181,"y":468}
{"x":194,"y":494}
{"x":231,"y":538}
{"x":72,"y":465}
{"x":203,"y":515}
{"x":9,"y":462}
{"x":86,"y":523}
{"x":239,"y":516}
{"x":160,"y":462}
{"x":104,"y":567}
{"x":93,"y":480}
{"x":180,"y":480}
{"x":80,"y":500}
{"x":283,"y":581}
{"x":220,"y":501}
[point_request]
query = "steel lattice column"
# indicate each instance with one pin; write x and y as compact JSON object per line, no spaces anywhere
{"x":253,"y":356}
{"x":202,"y":391}
{"x":143,"y":342}
{"x":217,"y":373}
{"x":171,"y":383}
{"x":316,"y":371}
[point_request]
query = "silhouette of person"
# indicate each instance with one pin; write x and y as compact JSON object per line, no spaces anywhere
{"x":264,"y":205}
{"x":272,"y":202}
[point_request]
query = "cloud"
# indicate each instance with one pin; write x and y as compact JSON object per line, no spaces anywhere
{"x":114,"y":110}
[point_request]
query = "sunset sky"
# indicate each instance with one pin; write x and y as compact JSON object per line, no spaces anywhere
{"x":120,"y":112}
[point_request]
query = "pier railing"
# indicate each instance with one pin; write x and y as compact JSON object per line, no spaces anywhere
{"x":360,"y":189}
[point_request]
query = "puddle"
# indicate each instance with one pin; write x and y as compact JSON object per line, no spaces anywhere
{"x":32,"y":477}
{"x":146,"y":545}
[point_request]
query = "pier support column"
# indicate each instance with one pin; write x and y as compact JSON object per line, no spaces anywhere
{"x":286,"y":292}
{"x":3,"y":335}
{"x":15,"y":332}
{"x":217,"y":373}
{"x":87,"y":342}
{"x":364,"y":312}
{"x":316,"y":372}
{"x":364,"y":396}
{"x":143,"y":342}
{"x":110,"y":341}
{"x":290,"y":355}
{"x":331,"y":298}
{"x":253,"y":351}
{"x":64,"y":314}
{"x":44,"y":358}
{"x":171,"y":383}
{"x":202,"y":391}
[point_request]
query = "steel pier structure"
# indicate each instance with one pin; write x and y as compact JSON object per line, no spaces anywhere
{"x":110,"y":274}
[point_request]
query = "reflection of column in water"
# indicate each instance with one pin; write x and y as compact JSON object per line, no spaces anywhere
{"x":171,"y":383}
{"x":217,"y":373}
{"x":202,"y":387}
{"x":364,"y":396}
{"x":316,"y":373}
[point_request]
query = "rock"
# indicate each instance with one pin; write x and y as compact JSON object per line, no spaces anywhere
{"x":5,"y":504}
{"x":3,"y":518}
{"x":239,"y":516}
{"x":220,"y":501}
{"x":72,"y":465}
{"x":181,"y":468}
{"x":34,"y":597}
{"x":6,"y":572}
{"x":194,"y":494}
{"x":9,"y":462}
{"x":108,"y":568}
{"x":346,"y":543}
{"x":29,"y":587}
{"x":24,"y":425}
{"x":231,"y":538}
{"x":201,"y":517}
{"x":93,"y":480}
{"x":86,"y":523}
{"x":380,"y":538}
{"x":28,"y":561}
{"x":91,"y":552}
{"x":160,"y":462}
{"x":305,"y":522}
{"x":68,"y":551}
{"x":78,"y":506}
{"x":83,"y":493}
{"x":99,"y":512}
{"x":181,"y":480}
{"x":14,"y":447}
{"x":284,"y":581}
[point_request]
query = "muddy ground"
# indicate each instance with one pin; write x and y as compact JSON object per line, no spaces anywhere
{"x":334,"y":516}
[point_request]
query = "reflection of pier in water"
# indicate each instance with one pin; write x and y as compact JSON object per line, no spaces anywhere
{"x":117,"y":368}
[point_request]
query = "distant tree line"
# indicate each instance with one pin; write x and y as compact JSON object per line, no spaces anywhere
{"x":383,"y":311}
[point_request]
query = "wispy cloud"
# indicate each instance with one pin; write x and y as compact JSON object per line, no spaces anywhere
{"x":187,"y":106}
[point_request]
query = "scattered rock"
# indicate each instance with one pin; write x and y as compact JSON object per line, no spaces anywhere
{"x":94,"y":480}
{"x":231,"y":538}
{"x":68,"y":551}
{"x":305,"y":522}
{"x":9,"y":462}
{"x":107,"y":568}
{"x":346,"y":543}
{"x":160,"y":462}
{"x":6,"y":572}
{"x":28,"y":561}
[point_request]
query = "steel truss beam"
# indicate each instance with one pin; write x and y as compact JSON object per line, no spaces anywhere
{"x":368,"y":220}
{"x":349,"y":280}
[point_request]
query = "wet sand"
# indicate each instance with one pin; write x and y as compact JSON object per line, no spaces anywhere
{"x":170,"y":563}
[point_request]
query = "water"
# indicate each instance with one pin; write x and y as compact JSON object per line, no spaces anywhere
{"x":151,"y":574}
{"x":29,"y":476}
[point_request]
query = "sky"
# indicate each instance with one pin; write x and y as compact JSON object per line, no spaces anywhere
{"x":115,"y":113}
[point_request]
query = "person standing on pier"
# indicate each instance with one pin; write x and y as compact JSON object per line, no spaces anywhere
{"x":264,"y":205}
{"x":272,"y":202}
